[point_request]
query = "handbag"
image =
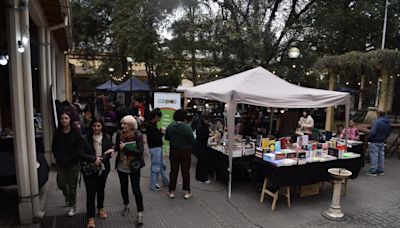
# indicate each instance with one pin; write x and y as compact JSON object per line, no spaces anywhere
{"x":89,"y":168}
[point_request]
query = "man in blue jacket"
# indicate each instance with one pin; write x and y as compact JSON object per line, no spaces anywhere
{"x":379,"y":132}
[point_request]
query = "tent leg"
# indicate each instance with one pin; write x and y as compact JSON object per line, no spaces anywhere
{"x":230,"y":126}
{"x":272,"y":120}
{"x":347,"y":122}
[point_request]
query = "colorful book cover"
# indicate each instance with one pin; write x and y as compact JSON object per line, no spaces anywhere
{"x":259,"y":141}
{"x":272,"y":145}
{"x":265,"y":143}
{"x":284,"y":144}
{"x":278,"y":146}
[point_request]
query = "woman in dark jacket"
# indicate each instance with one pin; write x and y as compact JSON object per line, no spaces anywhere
{"x":67,"y":145}
{"x":129,"y":161}
{"x":203,"y":153}
{"x":181,"y":141}
{"x":98,"y":150}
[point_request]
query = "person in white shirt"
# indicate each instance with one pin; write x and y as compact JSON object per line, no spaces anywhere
{"x":305,"y":124}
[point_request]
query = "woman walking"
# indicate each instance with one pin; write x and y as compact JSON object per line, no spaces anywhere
{"x":67,"y":145}
{"x":96,"y":167}
{"x":129,"y":144}
{"x":181,"y":141}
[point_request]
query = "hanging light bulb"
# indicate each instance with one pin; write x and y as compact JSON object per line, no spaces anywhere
{"x":25,"y":40}
{"x":20,"y":47}
{"x":3,"y":59}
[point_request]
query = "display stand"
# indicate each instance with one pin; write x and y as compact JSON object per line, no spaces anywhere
{"x":334,"y":212}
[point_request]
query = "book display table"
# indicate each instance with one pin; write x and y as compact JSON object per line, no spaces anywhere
{"x":298,"y":175}
{"x":221,"y":164}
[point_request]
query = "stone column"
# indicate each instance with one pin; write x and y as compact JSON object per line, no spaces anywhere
{"x":362,"y":85}
{"x":384,"y":92}
{"x":330,"y":111}
{"x":18,"y":114}
{"x":29,"y":114}
{"x":392,"y":83}
{"x":45,"y":97}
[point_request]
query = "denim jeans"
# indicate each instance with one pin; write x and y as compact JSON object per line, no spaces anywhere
{"x":377,"y":155}
{"x":157,"y":167}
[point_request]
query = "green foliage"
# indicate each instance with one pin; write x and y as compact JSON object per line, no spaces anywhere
{"x":229,"y":36}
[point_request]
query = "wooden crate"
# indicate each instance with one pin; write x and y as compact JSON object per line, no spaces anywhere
{"x":309,"y":190}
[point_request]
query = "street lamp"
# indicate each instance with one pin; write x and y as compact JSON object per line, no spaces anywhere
{"x":294,"y":53}
{"x":111,"y":70}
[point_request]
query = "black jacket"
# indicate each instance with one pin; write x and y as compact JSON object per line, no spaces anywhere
{"x":67,"y":147}
{"x":154,"y":135}
{"x":137,"y":154}
{"x":202,"y":133}
{"x":89,"y":153}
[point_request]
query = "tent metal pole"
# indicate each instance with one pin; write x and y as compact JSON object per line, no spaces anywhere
{"x":347,"y":121}
{"x":230,"y":126}
{"x":272,"y":120}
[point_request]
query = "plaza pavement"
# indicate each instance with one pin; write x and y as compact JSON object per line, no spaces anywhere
{"x":370,"y":202}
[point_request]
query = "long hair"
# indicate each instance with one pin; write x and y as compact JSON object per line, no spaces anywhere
{"x":97,"y":119}
{"x":60,"y":126}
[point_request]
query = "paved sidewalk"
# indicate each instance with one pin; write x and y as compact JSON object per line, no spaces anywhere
{"x":371,"y":202}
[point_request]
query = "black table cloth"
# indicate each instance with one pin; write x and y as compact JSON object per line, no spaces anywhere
{"x":306,"y":174}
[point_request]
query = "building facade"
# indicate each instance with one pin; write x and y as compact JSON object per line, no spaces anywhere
{"x":35,"y":40}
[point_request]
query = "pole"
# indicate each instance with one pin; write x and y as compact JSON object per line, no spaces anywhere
{"x":230,"y":126}
{"x":347,"y":119}
{"x":30,"y":131}
{"x":378,"y":86}
{"x":272,"y":120}
{"x":384,"y":25}
{"x":18,"y":115}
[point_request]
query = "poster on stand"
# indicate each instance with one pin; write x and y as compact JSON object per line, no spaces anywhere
{"x":168,"y":103}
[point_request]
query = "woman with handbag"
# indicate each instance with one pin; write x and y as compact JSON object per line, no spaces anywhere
{"x":129,"y":161}
{"x":67,"y":145}
{"x":96,"y":167}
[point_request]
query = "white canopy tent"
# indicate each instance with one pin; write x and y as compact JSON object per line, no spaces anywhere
{"x":260,"y":87}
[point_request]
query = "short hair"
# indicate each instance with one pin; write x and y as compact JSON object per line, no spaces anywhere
{"x":154,"y":113}
{"x":129,"y":119}
{"x":180,"y":115}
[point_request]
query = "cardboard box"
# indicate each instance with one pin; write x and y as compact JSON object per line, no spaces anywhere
{"x":309,"y":190}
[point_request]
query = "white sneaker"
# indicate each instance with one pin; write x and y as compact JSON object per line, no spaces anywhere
{"x":71,"y":212}
{"x":140,"y":218}
{"x":171,"y":195}
{"x":187,"y":195}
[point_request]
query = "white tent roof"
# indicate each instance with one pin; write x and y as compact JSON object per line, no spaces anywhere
{"x":260,"y":87}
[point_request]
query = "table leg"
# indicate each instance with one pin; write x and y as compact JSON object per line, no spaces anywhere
{"x":263,"y":190}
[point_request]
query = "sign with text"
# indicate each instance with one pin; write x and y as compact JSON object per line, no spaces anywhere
{"x":168,"y":103}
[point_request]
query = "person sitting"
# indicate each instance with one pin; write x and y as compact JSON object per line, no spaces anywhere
{"x":305,"y":124}
{"x":352,"y":132}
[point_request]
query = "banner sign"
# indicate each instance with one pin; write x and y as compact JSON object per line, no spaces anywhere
{"x":168,"y":103}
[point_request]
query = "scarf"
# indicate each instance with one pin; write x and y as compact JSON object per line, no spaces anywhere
{"x":97,"y":141}
{"x":126,"y":137}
